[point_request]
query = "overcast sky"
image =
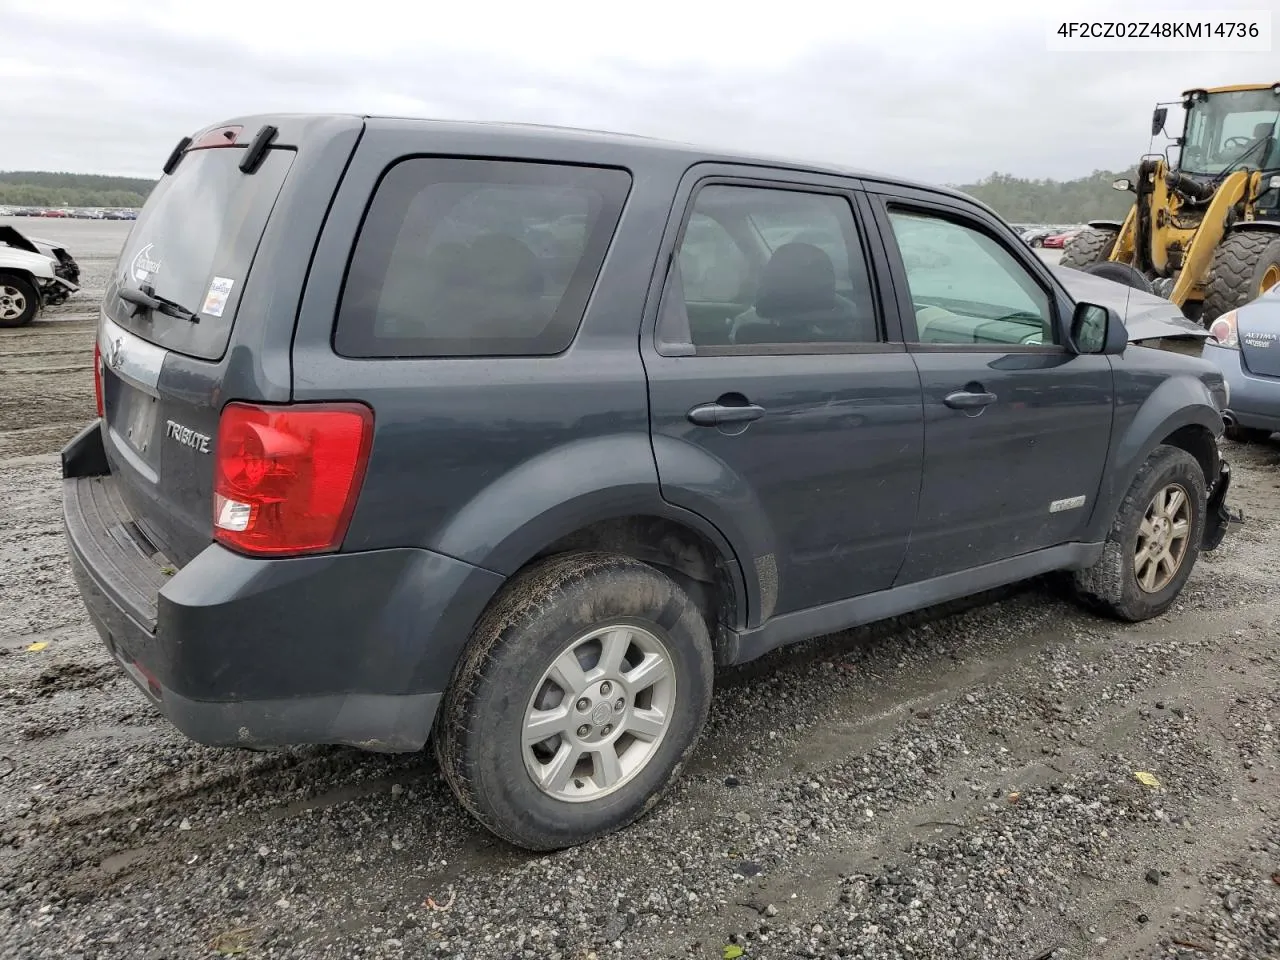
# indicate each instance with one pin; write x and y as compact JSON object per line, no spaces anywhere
{"x":945,"y":91}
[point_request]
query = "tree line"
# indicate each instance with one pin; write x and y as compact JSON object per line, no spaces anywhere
{"x":33,"y":188}
{"x":1053,"y":201}
{"x":1014,"y":198}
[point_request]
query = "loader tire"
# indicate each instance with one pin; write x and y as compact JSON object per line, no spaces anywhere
{"x":1121,"y":273}
{"x":1091,"y":245}
{"x":1245,"y":265}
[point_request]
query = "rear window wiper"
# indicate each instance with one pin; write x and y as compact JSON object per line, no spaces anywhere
{"x":145,"y":296}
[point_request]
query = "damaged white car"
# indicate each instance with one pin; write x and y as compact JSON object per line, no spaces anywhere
{"x":33,"y":272}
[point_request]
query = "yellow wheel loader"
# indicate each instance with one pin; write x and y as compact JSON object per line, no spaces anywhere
{"x":1204,"y":230}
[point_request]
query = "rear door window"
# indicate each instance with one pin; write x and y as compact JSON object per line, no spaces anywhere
{"x":193,"y":244}
{"x":763,"y":269}
{"x":477,"y":258}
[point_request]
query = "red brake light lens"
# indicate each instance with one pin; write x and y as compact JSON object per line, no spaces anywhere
{"x":1224,"y":331}
{"x":217,"y":137}
{"x":287,"y":477}
{"x":97,"y":379}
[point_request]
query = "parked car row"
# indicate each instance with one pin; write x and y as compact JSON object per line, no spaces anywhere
{"x":69,"y":213}
{"x":1051,"y":237}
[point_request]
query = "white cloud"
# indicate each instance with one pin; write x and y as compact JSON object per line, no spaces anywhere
{"x":940,"y":91}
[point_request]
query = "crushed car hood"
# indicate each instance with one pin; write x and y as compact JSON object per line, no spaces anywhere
{"x":42,"y":242}
{"x":13,"y":237}
{"x":1145,"y":315}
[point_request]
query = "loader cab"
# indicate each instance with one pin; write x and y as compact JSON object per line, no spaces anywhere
{"x":1230,"y":128}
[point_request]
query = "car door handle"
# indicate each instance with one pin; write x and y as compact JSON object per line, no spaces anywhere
{"x":969,"y":400}
{"x":718,"y":414}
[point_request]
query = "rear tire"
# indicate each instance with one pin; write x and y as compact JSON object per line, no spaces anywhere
{"x":1091,"y":245}
{"x":1122,"y":583}
{"x":1245,"y":263}
{"x":518,"y":677}
{"x":19,"y":300}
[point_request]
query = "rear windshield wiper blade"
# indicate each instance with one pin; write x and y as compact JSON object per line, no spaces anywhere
{"x":145,"y":296}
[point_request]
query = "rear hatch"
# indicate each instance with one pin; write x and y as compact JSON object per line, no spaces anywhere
{"x":1258,"y":327}
{"x":166,"y":328}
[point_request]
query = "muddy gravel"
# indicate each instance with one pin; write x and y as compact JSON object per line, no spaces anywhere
{"x":954,"y":786}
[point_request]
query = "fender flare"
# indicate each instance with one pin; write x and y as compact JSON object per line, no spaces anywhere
{"x":1105,"y":224}
{"x":700,"y":483}
{"x":1179,"y":402}
{"x":1255,"y":226}
{"x":563,"y":490}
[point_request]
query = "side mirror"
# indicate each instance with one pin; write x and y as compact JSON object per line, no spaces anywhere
{"x":1096,"y":330}
{"x":1158,"y":117}
{"x":1124,"y":183}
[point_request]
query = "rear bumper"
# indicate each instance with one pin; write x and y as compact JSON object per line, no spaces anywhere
{"x":352,"y":648}
{"x":1255,"y":400}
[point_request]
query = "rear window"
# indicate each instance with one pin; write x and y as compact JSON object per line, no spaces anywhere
{"x":194,"y":243}
{"x":477,"y":258}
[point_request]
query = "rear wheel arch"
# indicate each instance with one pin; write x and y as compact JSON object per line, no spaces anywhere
{"x":605,"y":490}
{"x":688,"y":550}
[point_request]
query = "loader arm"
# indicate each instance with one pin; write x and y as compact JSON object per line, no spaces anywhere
{"x":1199,"y":254}
{"x":1127,"y":240}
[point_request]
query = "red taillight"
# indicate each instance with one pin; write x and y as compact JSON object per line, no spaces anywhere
{"x":97,"y":379}
{"x":1225,"y":332}
{"x":288,"y":477}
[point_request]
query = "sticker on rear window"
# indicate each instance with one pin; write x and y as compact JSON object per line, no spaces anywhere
{"x":215,"y":300}
{"x":145,"y":266}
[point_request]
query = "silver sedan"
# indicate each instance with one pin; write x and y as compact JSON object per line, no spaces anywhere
{"x":1245,"y":344}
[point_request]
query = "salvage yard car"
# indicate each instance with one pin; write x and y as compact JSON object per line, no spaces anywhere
{"x":1246,"y":348}
{"x":508,"y":436}
{"x":33,"y":273}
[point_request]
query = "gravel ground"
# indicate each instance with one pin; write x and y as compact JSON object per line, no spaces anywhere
{"x":953,"y":786}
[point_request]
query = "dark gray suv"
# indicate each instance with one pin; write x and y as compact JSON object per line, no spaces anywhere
{"x":510,"y":435}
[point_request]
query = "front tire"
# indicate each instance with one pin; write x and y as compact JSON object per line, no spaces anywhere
{"x":1154,"y":540}
{"x":1091,"y":245}
{"x":19,"y":300}
{"x":577,"y":702}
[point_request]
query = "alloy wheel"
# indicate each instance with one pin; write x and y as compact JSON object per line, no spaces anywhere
{"x":599,"y":713}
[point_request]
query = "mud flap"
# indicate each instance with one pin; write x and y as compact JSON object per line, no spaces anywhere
{"x":1219,"y":518}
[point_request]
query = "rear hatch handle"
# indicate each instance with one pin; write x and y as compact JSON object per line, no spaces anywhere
{"x":145,"y":297}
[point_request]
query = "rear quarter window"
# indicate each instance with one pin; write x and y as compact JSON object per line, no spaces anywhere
{"x":477,"y":258}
